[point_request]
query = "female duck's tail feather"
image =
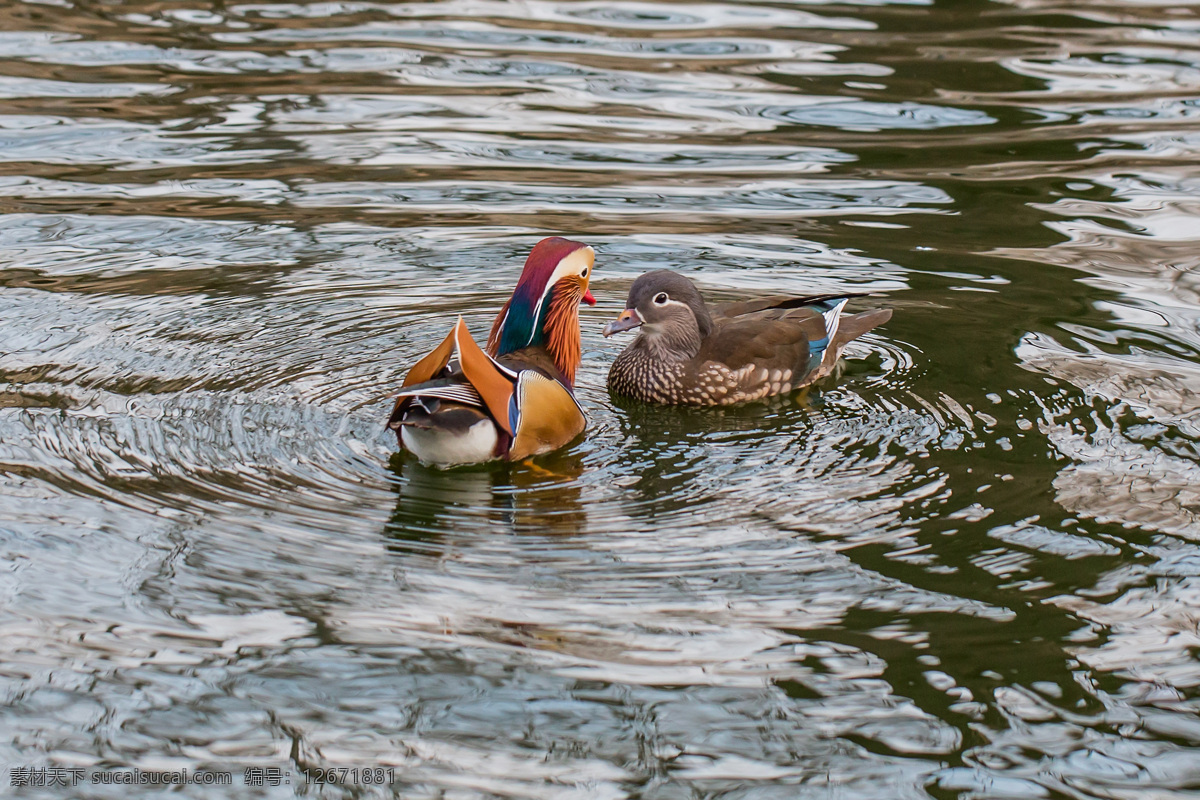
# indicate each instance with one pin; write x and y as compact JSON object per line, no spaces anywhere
{"x":856,"y":325}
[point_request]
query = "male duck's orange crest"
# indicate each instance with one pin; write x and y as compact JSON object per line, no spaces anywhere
{"x":544,"y":308}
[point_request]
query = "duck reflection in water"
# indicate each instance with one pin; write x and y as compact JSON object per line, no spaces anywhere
{"x":541,"y":495}
{"x":665,"y":449}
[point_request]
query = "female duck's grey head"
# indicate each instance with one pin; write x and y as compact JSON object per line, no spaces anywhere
{"x":670,"y":312}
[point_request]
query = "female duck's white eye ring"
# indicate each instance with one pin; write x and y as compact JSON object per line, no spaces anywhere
{"x":660,"y":299}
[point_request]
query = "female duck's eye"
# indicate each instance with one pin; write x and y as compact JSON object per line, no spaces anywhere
{"x":660,"y":299}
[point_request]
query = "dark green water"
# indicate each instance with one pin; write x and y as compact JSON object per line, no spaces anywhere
{"x":968,"y":568}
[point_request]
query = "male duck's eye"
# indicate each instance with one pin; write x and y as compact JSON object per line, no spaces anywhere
{"x":584,"y":273}
{"x":660,"y":299}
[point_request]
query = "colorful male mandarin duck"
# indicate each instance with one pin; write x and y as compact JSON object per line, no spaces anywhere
{"x":687,"y":355}
{"x":460,"y":405}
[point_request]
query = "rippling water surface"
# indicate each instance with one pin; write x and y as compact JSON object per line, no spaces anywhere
{"x":967,"y":568}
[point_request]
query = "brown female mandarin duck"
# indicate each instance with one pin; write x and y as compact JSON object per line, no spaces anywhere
{"x":688,"y":355}
{"x":460,"y":405}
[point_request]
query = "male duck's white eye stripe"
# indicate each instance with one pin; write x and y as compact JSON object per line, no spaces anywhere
{"x":568,"y":266}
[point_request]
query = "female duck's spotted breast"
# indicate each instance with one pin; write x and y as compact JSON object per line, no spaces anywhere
{"x":636,"y":373}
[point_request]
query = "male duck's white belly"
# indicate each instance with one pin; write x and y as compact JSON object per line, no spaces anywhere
{"x":448,"y":448}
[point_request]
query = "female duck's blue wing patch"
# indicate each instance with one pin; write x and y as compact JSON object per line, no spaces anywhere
{"x":830,"y":310}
